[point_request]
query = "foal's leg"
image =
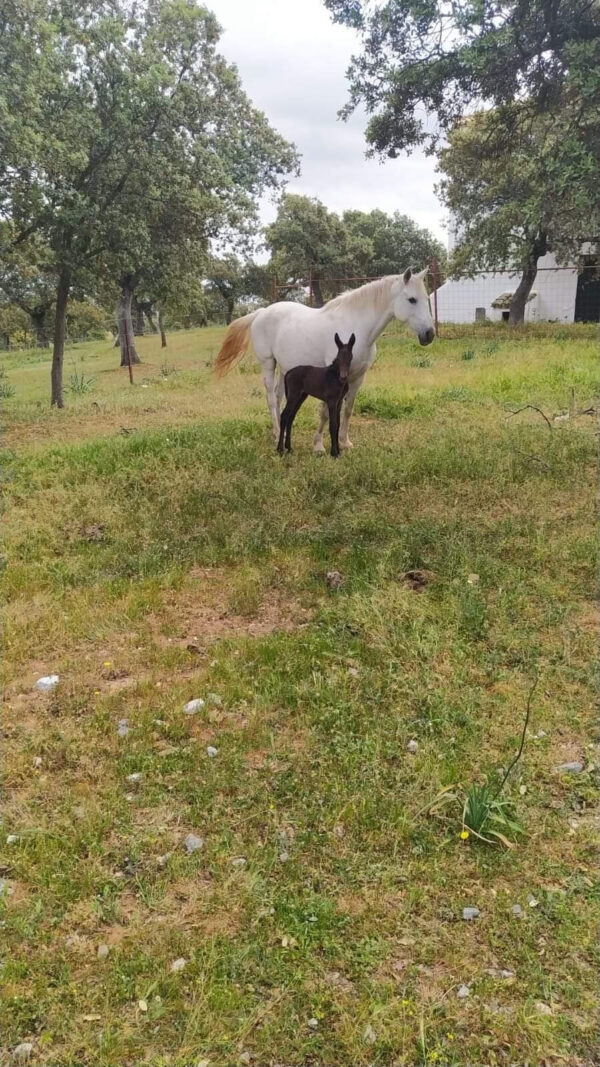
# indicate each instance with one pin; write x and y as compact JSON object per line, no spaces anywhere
{"x":334,"y":427}
{"x":283,"y":422}
{"x":294,"y":406}
{"x":268,"y":371}
{"x":318,"y":445}
{"x":353,"y":388}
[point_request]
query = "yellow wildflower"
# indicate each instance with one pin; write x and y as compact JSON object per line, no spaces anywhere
{"x":464,"y":835}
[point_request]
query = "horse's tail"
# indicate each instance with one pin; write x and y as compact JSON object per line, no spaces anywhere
{"x":234,"y":345}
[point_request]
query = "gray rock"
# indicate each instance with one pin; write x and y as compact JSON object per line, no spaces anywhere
{"x":211,"y":751}
{"x":412,"y":746}
{"x":470,"y":913}
{"x":334,"y":579}
{"x":192,"y":843}
{"x":102,"y":952}
{"x":542,"y":1009}
{"x":313,"y":1023}
{"x":517,"y":910}
{"x":47,"y":684}
{"x":540,"y":734}
{"x":178,"y":965}
{"x":135,"y":777}
{"x":37,"y":761}
{"x":12,"y":839}
{"x":22,"y":1052}
{"x":463,"y":992}
{"x":369,"y":1035}
{"x":284,"y":857}
{"x":570,"y":768}
{"x":239,"y":862}
{"x":123,"y":728}
{"x":193,"y":706}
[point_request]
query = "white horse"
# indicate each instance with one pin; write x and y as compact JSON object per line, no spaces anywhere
{"x":291,"y":335}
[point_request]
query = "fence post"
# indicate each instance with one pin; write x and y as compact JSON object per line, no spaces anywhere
{"x":310,"y":288}
{"x":275,"y":292}
{"x":436,"y":280}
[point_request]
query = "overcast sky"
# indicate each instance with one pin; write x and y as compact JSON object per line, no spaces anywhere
{"x":292,"y":61}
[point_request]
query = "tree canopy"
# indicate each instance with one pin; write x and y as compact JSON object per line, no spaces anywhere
{"x":126,"y":141}
{"x":309,"y":242}
{"x":426,"y":63}
{"x":515,"y":198}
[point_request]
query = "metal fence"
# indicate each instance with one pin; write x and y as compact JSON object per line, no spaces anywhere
{"x":566,"y":294}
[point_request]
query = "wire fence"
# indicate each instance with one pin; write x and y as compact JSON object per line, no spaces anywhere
{"x":560,"y":294}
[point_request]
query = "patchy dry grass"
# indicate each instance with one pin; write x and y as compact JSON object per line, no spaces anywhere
{"x":183,"y":558}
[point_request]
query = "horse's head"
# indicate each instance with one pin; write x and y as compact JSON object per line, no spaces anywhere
{"x":411,"y":305}
{"x":344,"y":356}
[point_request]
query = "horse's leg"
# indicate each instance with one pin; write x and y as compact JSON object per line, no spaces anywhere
{"x":318,"y":445}
{"x":348,"y":405}
{"x":269,"y":367}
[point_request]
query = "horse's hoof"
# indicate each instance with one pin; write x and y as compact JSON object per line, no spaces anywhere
{"x":346,"y":444}
{"x":319,"y":449}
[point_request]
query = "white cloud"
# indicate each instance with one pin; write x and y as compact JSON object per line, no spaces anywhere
{"x":292,"y":60}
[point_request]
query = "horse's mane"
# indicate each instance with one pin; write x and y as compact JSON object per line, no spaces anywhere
{"x":373,"y":293}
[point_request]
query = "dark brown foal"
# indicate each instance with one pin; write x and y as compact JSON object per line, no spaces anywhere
{"x":326,"y":383}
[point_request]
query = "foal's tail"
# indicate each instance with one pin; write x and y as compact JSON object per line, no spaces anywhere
{"x":234,"y":345}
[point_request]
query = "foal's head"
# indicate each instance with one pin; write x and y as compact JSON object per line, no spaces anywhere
{"x":344,"y":356}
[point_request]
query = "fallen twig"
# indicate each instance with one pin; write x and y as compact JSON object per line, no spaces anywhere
{"x":533,"y":408}
{"x":536,"y":459}
{"x":525,"y":725}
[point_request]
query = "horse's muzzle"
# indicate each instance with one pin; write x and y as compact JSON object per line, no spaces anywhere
{"x":426,"y":337}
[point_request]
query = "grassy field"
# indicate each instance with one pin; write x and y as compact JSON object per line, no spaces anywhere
{"x":158,"y":551}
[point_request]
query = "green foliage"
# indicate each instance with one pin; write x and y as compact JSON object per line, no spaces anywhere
{"x":306,"y":237}
{"x":6,"y":390}
{"x":127,"y":142}
{"x":489,"y":816}
{"x":468,"y":354}
{"x":14,"y":325}
{"x":87,"y":321}
{"x":79,"y":385}
{"x":420,"y":60}
{"x":511,"y":199}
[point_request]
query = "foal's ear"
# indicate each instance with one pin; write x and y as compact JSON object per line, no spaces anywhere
{"x":407,"y":275}
{"x":351,"y":341}
{"x":337,"y":341}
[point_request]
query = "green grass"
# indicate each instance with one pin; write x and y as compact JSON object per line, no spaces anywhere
{"x":159,"y":550}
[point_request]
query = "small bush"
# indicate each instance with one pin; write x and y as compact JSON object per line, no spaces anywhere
{"x":6,"y":390}
{"x":78,"y":383}
{"x":423,"y":361}
{"x":469,"y":353}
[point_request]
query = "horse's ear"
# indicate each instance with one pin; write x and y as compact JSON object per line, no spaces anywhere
{"x":352,"y":340}
{"x":407,"y":275}
{"x":422,"y":273}
{"x":337,"y":341}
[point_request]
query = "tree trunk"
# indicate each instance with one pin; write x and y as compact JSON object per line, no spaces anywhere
{"x":126,"y":341}
{"x":318,"y":295}
{"x":40,"y":325}
{"x":60,"y":324}
{"x":163,"y":336}
{"x":149,"y":313}
{"x":516,"y":314}
{"x":117,"y":343}
{"x":230,"y":304}
{"x":137,"y":315}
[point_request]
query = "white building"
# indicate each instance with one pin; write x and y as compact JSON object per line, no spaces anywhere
{"x":559,"y":294}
